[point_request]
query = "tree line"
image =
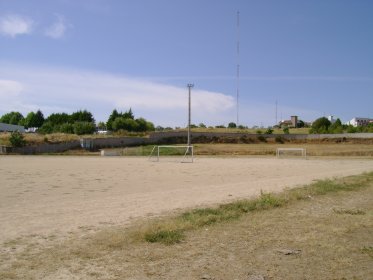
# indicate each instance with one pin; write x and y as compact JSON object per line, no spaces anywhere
{"x":79,"y":122}
{"x":325,"y":126}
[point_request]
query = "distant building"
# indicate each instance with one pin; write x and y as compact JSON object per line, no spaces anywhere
{"x":332,"y":119}
{"x":4,"y":127}
{"x":360,"y":121}
{"x":293,"y":122}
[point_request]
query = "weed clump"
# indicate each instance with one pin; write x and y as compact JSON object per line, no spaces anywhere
{"x":167,"y":237}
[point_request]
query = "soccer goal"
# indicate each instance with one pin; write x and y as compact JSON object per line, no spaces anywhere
{"x":291,"y":152}
{"x":181,"y":153}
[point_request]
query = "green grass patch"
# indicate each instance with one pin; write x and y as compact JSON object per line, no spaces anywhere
{"x":172,"y":230}
{"x":167,"y":237}
{"x":368,"y":250}
{"x":349,"y":211}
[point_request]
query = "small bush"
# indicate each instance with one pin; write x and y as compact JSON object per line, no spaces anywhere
{"x":16,"y":139}
{"x":261,"y":138}
{"x":268,"y":131}
{"x":279,"y":139}
{"x":81,"y":128}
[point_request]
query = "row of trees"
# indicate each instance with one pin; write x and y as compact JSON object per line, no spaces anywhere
{"x":33,"y":119}
{"x":126,"y":121}
{"x":80,"y":122}
{"x":324,"y":126}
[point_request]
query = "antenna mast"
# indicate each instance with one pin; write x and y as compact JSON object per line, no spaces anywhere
{"x":238,"y":64}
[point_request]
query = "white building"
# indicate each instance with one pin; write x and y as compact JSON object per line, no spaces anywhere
{"x":4,"y":127}
{"x":332,"y":119}
{"x":360,"y":121}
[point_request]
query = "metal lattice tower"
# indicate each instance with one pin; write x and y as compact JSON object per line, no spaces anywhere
{"x":238,"y":65}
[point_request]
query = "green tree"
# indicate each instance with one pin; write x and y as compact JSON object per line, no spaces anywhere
{"x":336,"y":127}
{"x":320,"y":126}
{"x":81,"y":128}
{"x":46,"y":128}
{"x":232,"y":125}
{"x":34,"y":119}
{"x":112,"y":117}
{"x":141,"y":124}
{"x":128,"y":115}
{"x":286,"y":130}
{"x":67,"y":128}
{"x":58,"y":118}
{"x":82,"y":116}
{"x":125,"y":124}
{"x":149,"y":126}
{"x":12,"y":118}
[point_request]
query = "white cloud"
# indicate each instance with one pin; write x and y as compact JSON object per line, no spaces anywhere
{"x":13,"y":25}
{"x":57,"y":90}
{"x":9,"y":88}
{"x":57,"y":29}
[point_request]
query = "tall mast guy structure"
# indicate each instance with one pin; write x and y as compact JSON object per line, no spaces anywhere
{"x":238,"y":65}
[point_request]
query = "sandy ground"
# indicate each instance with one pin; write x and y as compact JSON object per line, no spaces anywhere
{"x":56,"y":195}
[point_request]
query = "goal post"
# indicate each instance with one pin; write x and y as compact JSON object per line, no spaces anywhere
{"x":185,"y":152}
{"x":291,"y":152}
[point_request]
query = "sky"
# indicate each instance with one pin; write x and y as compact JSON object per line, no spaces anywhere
{"x":312,"y":58}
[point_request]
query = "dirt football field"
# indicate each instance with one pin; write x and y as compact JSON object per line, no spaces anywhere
{"x":44,"y":195}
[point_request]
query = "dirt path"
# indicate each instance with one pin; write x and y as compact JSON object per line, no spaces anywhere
{"x":56,"y":195}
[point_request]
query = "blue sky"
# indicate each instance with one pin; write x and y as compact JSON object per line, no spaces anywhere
{"x":314,"y":57}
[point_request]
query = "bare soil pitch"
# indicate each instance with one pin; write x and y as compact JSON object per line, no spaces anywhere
{"x":51,"y":195}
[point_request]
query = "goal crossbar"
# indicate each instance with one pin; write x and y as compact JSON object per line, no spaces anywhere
{"x":189,"y":152}
{"x":302,"y":150}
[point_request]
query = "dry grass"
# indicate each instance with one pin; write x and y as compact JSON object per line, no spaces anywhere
{"x":340,"y":149}
{"x":250,"y":130}
{"x":35,"y":139}
{"x":306,"y":239}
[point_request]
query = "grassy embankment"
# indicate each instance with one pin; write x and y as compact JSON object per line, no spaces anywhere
{"x":35,"y":138}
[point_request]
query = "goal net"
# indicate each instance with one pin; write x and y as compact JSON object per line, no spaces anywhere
{"x":180,"y":153}
{"x":291,"y":152}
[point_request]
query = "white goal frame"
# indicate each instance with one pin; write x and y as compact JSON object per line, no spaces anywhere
{"x":184,"y":158}
{"x":302,"y":150}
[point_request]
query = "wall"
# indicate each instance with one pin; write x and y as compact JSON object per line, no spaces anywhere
{"x":45,"y":148}
{"x":166,"y":137}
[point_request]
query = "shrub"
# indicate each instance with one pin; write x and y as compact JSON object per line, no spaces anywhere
{"x":286,"y":130}
{"x":17,"y":140}
{"x":81,"y":128}
{"x":279,"y":139}
{"x":268,"y":131}
{"x":46,"y":128}
{"x":261,"y":138}
{"x":67,"y":128}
